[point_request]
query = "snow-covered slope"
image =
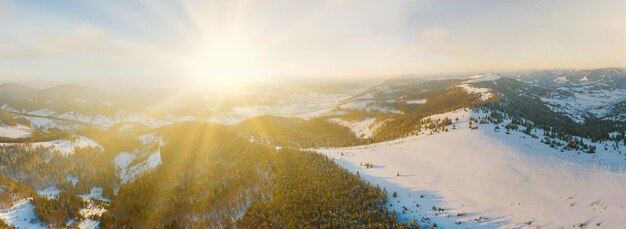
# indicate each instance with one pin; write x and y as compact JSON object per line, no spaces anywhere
{"x":580,"y":94}
{"x":21,"y":215}
{"x":417,"y":101}
{"x":362,"y":129}
{"x":128,"y":173}
{"x":483,"y":178}
{"x":485,"y":93}
{"x":367,"y":105}
{"x":130,"y":164}
{"x":15,"y":132}
{"x":63,"y":146}
{"x":50,"y":192}
{"x":92,"y":209}
{"x":581,"y":102}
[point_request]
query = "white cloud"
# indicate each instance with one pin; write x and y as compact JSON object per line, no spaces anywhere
{"x":81,"y":39}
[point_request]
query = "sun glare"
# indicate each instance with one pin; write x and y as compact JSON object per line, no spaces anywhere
{"x":225,"y":62}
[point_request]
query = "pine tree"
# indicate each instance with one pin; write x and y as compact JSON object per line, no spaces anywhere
{"x":414,"y":222}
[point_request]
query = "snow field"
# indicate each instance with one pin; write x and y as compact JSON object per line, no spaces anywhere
{"x":63,"y":146}
{"x":15,"y":132}
{"x":21,"y":215}
{"x":125,"y":162}
{"x":483,"y":178}
{"x":362,"y":129}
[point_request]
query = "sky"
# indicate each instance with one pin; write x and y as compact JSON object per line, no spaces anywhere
{"x":191,"y":42}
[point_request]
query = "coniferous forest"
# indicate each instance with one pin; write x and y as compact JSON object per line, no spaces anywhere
{"x":210,"y":176}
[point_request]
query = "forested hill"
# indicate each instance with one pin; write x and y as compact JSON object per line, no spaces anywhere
{"x":207,"y":175}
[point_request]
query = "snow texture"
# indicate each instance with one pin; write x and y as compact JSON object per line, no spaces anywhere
{"x":64,"y":147}
{"x":15,"y":132}
{"x":417,"y":101}
{"x":130,"y":164}
{"x":367,"y":105}
{"x":365,"y":128}
{"x":92,"y":209}
{"x":42,"y":112}
{"x":95,"y":193}
{"x":50,"y":193}
{"x":21,"y":215}
{"x":583,"y":101}
{"x":485,"y":93}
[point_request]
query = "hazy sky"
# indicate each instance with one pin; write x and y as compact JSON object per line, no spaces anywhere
{"x":240,"y":40}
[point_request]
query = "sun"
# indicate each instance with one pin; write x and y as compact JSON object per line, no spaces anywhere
{"x":226,"y":61}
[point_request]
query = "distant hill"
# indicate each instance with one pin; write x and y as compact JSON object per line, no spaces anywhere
{"x":17,"y":91}
{"x":75,"y":91}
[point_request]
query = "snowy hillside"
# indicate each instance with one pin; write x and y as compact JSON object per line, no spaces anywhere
{"x":362,"y":129}
{"x":481,"y":177}
{"x":21,"y":215}
{"x":62,"y":146}
{"x":581,"y":94}
{"x":484,"y":93}
{"x":15,"y":132}
{"x":581,"y":102}
{"x":148,"y":156}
